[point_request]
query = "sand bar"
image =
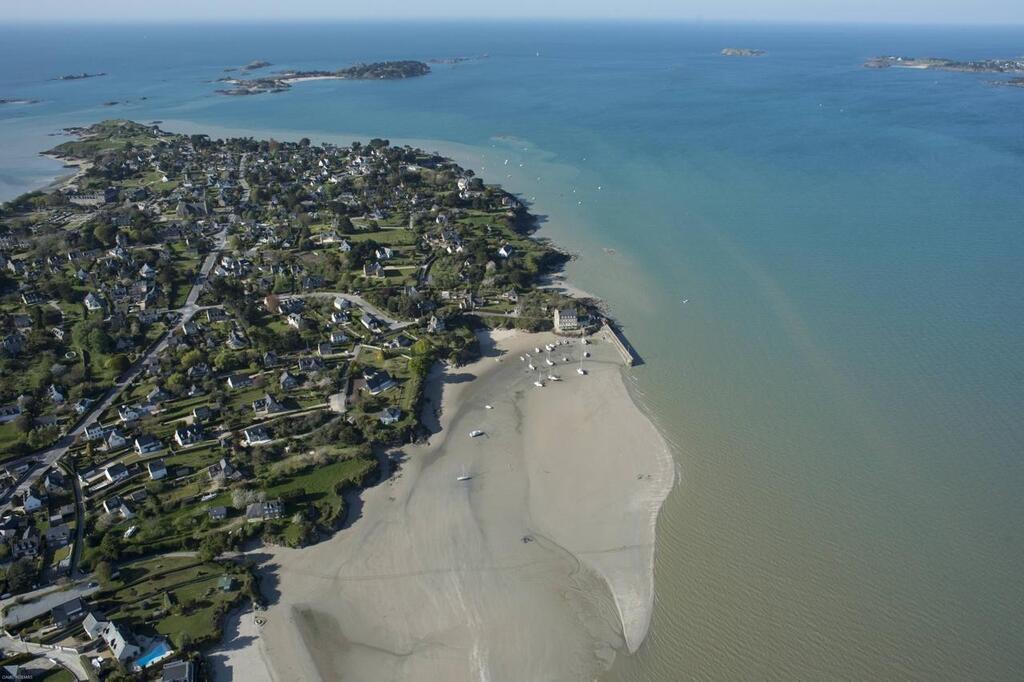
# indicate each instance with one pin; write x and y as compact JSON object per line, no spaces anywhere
{"x":538,"y":567}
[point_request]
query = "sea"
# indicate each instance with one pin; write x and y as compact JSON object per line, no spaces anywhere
{"x":821,"y":265}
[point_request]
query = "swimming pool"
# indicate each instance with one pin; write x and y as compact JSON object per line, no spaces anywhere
{"x":157,"y":652}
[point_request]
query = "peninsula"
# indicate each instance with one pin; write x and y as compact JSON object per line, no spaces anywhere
{"x":942,"y":64}
{"x":279,"y":82}
{"x":211,"y":346}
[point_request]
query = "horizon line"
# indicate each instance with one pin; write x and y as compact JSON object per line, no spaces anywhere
{"x":221,"y":21}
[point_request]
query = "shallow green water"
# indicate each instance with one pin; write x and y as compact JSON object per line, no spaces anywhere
{"x":843,"y":387}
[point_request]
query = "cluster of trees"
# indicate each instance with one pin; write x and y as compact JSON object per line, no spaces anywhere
{"x":20,"y":575}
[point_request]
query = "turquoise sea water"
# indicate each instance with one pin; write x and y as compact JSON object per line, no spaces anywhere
{"x":844,"y":388}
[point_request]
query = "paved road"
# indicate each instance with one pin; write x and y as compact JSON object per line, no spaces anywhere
{"x":368,"y":307}
{"x":246,"y":190}
{"x":76,"y":549}
{"x":39,"y":602}
{"x":220,"y":239}
{"x":67,"y":659}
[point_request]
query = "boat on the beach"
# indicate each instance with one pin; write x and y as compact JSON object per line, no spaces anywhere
{"x":550,"y":362}
{"x":538,"y":384}
{"x":488,"y":407}
{"x":554,"y":377}
{"x":475,"y":433}
{"x":463,"y":477}
{"x":531,"y":366}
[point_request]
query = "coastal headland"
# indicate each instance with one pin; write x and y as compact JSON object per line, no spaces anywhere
{"x":330,"y":317}
{"x":992,"y":66}
{"x":942,"y":64}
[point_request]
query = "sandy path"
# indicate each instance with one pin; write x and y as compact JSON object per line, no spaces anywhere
{"x":537,"y":568}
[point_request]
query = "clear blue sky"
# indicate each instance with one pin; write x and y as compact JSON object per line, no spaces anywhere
{"x":899,"y":11}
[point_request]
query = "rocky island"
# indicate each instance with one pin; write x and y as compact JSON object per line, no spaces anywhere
{"x":279,"y":82}
{"x":256,"y":64}
{"x":456,"y":60}
{"x":1013,"y":83}
{"x":79,"y":76}
{"x":742,"y":52}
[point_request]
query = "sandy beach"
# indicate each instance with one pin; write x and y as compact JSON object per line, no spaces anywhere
{"x":539,"y":566}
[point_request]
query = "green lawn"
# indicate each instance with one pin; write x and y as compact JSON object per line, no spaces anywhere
{"x":398,"y":237}
{"x":318,"y":486}
{"x":140,"y":587}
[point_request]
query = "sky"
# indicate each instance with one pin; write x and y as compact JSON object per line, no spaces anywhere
{"x":868,"y":11}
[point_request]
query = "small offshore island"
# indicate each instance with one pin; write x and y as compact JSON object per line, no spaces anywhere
{"x":79,"y":76}
{"x":742,"y":52}
{"x":1012,"y":82}
{"x":392,"y":70}
{"x":211,"y":349}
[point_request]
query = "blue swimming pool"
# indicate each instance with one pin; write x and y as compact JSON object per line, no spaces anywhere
{"x":157,"y":652}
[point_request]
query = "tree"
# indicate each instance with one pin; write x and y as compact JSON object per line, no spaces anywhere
{"x":212,"y":546}
{"x":21,"y":575}
{"x":105,"y":234}
{"x":225,"y":361}
{"x":183,"y":640}
{"x":175,"y":383}
{"x":421,"y":347}
{"x":118,"y":363}
{"x":104,"y":572}
{"x":110,"y":547}
{"x":100,"y":341}
{"x":191,"y":358}
{"x":243,"y":497}
{"x":345,"y":225}
{"x":23,"y":423}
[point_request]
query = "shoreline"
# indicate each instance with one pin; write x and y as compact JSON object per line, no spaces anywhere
{"x":547,"y":551}
{"x":608,"y":567}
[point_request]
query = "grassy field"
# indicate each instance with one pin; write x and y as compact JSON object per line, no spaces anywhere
{"x":138,"y":596}
{"x":386,"y":237}
{"x":318,"y":485}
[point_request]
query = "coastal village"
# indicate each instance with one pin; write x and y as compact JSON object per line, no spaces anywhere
{"x":208,"y":344}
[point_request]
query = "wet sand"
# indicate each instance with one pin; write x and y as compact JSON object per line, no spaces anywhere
{"x":538,"y":567}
